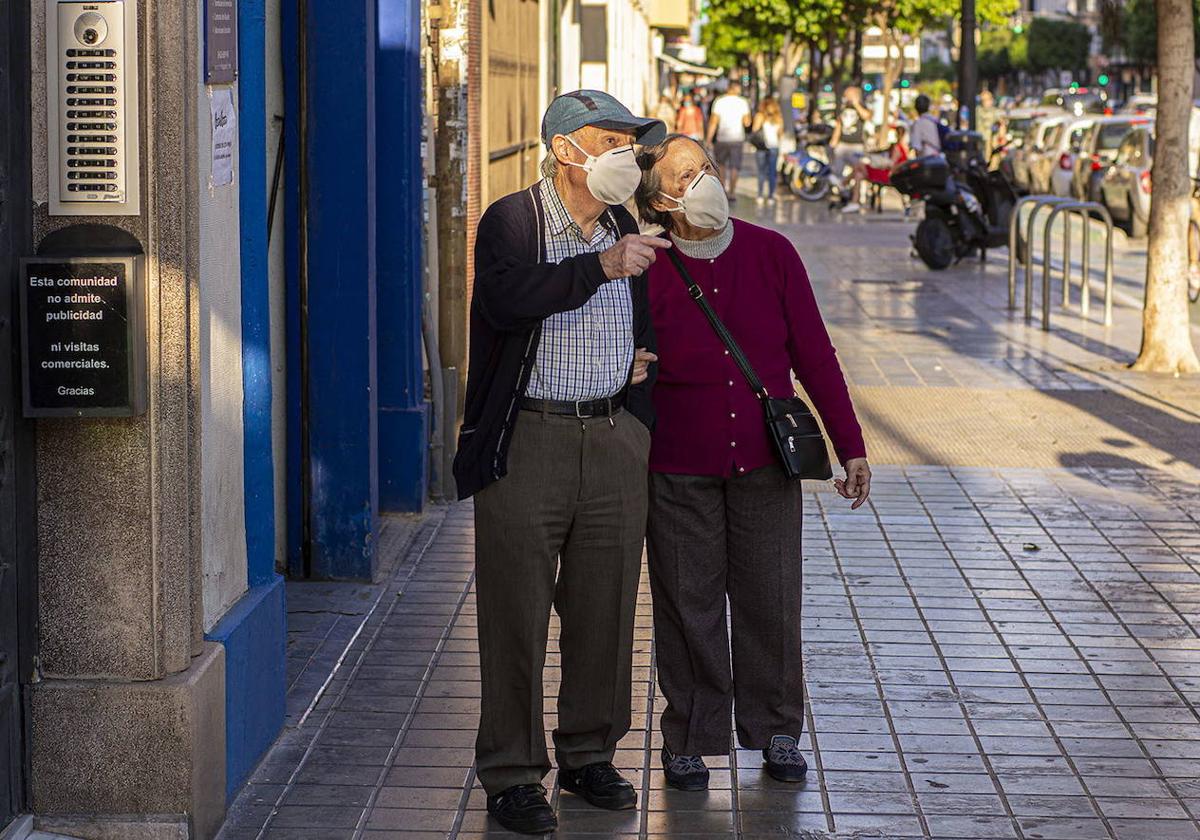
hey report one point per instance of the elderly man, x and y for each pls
(554, 448)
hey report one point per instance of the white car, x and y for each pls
(1040, 156)
(1070, 139)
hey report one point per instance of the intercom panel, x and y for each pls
(93, 108)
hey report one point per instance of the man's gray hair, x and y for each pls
(549, 165)
(651, 184)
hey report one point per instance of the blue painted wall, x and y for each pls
(340, 392)
(403, 412)
(254, 631)
(256, 301)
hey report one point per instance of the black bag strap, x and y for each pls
(697, 294)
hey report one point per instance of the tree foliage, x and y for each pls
(736, 31)
(1134, 29)
(1057, 45)
(996, 53)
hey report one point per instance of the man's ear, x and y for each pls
(561, 147)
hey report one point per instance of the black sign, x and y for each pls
(84, 336)
(220, 41)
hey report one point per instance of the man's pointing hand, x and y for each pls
(632, 255)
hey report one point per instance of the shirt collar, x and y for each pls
(558, 218)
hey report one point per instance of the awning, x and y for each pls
(681, 66)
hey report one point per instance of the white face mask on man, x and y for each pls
(704, 203)
(611, 177)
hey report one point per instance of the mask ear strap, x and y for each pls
(677, 201)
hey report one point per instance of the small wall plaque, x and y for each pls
(220, 42)
(83, 328)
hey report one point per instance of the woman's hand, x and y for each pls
(857, 484)
(641, 365)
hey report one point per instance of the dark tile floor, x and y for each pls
(1003, 643)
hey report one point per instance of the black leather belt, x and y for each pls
(583, 409)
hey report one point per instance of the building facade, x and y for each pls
(269, 400)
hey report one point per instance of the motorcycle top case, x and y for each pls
(921, 175)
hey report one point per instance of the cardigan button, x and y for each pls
(733, 443)
(726, 352)
(733, 415)
(741, 469)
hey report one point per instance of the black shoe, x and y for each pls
(684, 772)
(601, 785)
(524, 809)
(784, 761)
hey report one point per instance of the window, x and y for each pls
(1111, 135)
(593, 34)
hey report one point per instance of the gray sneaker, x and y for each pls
(784, 761)
(684, 772)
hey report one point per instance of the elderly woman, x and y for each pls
(724, 520)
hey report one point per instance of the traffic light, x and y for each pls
(868, 87)
(905, 83)
(1103, 79)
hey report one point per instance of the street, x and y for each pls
(1002, 643)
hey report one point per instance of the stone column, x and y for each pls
(129, 719)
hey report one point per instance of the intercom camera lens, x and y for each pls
(90, 36)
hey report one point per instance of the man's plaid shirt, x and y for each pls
(584, 354)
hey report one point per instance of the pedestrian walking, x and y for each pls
(554, 449)
(926, 130)
(724, 521)
(765, 133)
(853, 130)
(665, 112)
(690, 120)
(727, 124)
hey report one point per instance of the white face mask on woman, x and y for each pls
(703, 203)
(611, 177)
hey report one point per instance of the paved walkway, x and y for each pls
(1002, 644)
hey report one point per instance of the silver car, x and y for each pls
(1125, 187)
(1070, 142)
(1098, 151)
(1042, 156)
(1031, 146)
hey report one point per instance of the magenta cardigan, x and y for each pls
(709, 421)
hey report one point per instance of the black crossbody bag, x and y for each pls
(792, 428)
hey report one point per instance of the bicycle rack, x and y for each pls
(1059, 205)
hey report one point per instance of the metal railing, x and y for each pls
(1058, 205)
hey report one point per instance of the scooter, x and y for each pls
(807, 171)
(967, 205)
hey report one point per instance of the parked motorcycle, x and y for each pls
(967, 205)
(807, 171)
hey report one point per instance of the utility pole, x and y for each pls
(967, 68)
(449, 21)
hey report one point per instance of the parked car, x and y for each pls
(1140, 104)
(1076, 101)
(1125, 187)
(1040, 158)
(1097, 152)
(1016, 126)
(1070, 141)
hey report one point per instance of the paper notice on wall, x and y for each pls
(224, 129)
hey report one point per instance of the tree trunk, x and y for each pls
(893, 69)
(1166, 342)
(856, 70)
(815, 60)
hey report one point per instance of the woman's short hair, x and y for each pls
(651, 184)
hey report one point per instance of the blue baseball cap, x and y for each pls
(572, 111)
